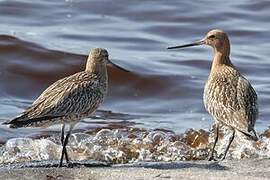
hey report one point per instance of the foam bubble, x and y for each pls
(134, 145)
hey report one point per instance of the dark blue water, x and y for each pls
(42, 41)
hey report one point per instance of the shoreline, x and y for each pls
(227, 169)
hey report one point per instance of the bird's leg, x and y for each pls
(63, 147)
(215, 143)
(230, 142)
(64, 143)
(62, 134)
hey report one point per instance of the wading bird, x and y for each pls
(70, 99)
(228, 96)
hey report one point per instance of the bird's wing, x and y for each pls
(62, 98)
(247, 99)
(233, 102)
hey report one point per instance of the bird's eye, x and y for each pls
(212, 37)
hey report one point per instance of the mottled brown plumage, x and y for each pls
(230, 99)
(70, 99)
(228, 96)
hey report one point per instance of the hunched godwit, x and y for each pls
(70, 99)
(228, 96)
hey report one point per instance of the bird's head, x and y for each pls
(99, 57)
(215, 38)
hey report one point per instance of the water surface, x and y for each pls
(42, 41)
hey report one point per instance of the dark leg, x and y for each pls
(215, 143)
(64, 143)
(230, 142)
(63, 134)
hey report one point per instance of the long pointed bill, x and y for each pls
(118, 67)
(197, 43)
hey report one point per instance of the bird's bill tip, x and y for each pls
(197, 43)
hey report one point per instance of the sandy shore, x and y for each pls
(244, 169)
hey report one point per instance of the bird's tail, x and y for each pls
(15, 123)
(24, 121)
(252, 135)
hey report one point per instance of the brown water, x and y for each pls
(42, 41)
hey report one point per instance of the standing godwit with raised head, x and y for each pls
(228, 96)
(70, 99)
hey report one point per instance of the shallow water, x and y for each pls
(129, 145)
(42, 41)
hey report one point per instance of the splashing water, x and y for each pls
(132, 145)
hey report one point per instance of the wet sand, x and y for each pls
(240, 169)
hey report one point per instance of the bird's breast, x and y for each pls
(221, 90)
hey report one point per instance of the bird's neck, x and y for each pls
(99, 69)
(221, 58)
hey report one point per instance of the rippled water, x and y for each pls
(42, 41)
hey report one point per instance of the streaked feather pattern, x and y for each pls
(230, 99)
(71, 98)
